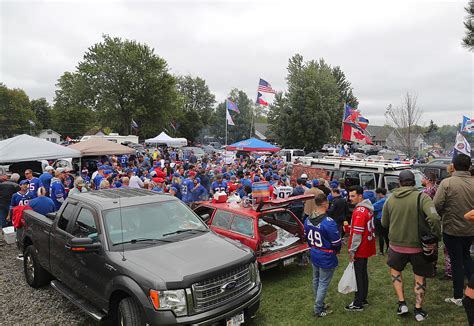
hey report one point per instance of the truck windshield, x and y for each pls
(159, 221)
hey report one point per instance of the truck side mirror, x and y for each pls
(83, 245)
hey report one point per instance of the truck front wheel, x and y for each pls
(35, 275)
(130, 313)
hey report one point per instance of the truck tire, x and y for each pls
(129, 313)
(35, 275)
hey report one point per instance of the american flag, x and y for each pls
(265, 87)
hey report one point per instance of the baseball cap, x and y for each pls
(22, 182)
(176, 174)
(152, 173)
(158, 180)
(198, 180)
(108, 172)
(256, 179)
(406, 176)
(304, 176)
(49, 168)
(315, 182)
(334, 184)
(192, 173)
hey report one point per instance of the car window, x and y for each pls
(367, 180)
(205, 213)
(353, 178)
(222, 219)
(85, 225)
(66, 216)
(337, 174)
(284, 217)
(391, 183)
(243, 225)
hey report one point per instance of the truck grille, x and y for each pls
(212, 292)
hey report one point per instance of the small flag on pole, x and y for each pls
(260, 100)
(228, 118)
(467, 125)
(231, 106)
(133, 124)
(265, 87)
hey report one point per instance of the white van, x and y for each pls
(291, 155)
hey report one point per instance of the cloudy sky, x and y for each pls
(386, 48)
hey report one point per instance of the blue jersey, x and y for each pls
(324, 240)
(45, 179)
(219, 186)
(19, 199)
(123, 160)
(42, 205)
(57, 193)
(200, 193)
(186, 194)
(34, 185)
(245, 182)
(178, 188)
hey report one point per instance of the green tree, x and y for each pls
(242, 120)
(310, 113)
(72, 114)
(197, 97)
(42, 111)
(15, 112)
(122, 80)
(468, 40)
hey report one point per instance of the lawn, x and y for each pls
(287, 298)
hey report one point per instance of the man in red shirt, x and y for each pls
(361, 245)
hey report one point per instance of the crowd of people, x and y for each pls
(338, 215)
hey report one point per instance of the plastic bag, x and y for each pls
(348, 282)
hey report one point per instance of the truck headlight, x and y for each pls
(254, 273)
(174, 300)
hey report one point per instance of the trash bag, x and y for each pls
(348, 282)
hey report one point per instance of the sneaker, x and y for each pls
(402, 308)
(420, 314)
(324, 313)
(457, 302)
(380, 254)
(365, 303)
(351, 307)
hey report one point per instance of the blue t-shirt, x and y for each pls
(45, 179)
(19, 199)
(57, 193)
(200, 193)
(219, 186)
(97, 180)
(34, 185)
(324, 240)
(186, 187)
(378, 206)
(42, 205)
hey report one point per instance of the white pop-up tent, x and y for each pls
(24, 148)
(164, 139)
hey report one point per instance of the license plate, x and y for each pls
(235, 320)
(288, 261)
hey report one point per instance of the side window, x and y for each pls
(367, 180)
(353, 178)
(66, 216)
(205, 213)
(243, 225)
(222, 219)
(337, 174)
(85, 225)
(391, 183)
(284, 217)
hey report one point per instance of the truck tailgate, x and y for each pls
(281, 255)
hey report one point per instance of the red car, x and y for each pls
(271, 230)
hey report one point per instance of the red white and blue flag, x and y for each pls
(260, 100)
(230, 105)
(467, 125)
(349, 133)
(354, 118)
(265, 87)
(461, 145)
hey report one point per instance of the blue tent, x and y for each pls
(252, 145)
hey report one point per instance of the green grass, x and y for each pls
(287, 298)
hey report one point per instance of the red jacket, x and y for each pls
(17, 216)
(363, 224)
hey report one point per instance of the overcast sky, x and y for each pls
(386, 48)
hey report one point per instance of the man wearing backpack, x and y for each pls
(401, 215)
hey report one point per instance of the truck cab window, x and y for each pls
(85, 225)
(243, 225)
(66, 216)
(222, 219)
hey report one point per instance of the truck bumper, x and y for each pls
(248, 304)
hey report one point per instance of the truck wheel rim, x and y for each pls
(30, 268)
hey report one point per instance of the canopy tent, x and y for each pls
(24, 148)
(100, 146)
(252, 145)
(164, 139)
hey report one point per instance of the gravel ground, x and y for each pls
(22, 305)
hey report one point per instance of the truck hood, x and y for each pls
(180, 264)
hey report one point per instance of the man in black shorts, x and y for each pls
(400, 216)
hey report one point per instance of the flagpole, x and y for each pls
(251, 120)
(342, 122)
(225, 148)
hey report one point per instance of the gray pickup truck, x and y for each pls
(135, 257)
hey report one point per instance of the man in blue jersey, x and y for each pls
(218, 185)
(34, 183)
(46, 177)
(186, 188)
(325, 242)
(124, 161)
(99, 177)
(22, 197)
(57, 192)
(42, 204)
(199, 192)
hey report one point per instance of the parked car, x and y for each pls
(140, 258)
(271, 230)
(439, 169)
